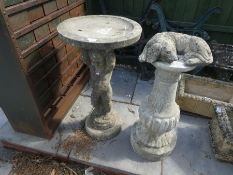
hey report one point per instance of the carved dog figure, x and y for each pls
(171, 46)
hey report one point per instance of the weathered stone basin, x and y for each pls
(100, 31)
(199, 94)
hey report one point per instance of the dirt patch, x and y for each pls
(81, 143)
(31, 164)
(28, 164)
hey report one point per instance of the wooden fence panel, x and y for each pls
(220, 26)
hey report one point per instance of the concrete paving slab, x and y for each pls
(40, 145)
(8, 135)
(73, 120)
(143, 89)
(117, 154)
(87, 89)
(3, 118)
(193, 154)
(123, 85)
(6, 154)
(5, 168)
(114, 155)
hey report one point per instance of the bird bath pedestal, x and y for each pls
(99, 35)
(154, 135)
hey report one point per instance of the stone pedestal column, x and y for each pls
(98, 36)
(103, 122)
(154, 135)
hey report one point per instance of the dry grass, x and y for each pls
(28, 164)
(81, 143)
(31, 164)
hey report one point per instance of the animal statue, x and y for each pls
(171, 46)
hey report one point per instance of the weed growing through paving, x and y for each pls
(81, 143)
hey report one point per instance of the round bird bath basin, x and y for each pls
(99, 35)
(100, 31)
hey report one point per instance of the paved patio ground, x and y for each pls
(192, 155)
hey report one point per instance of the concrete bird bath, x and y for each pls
(99, 35)
(154, 135)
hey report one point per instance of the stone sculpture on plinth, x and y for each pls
(154, 135)
(102, 118)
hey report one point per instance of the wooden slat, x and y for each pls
(201, 8)
(170, 8)
(209, 27)
(23, 6)
(90, 7)
(230, 40)
(128, 6)
(38, 44)
(75, 74)
(113, 7)
(39, 63)
(65, 89)
(46, 19)
(213, 3)
(229, 19)
(179, 9)
(68, 100)
(138, 8)
(82, 71)
(145, 5)
(227, 7)
(120, 8)
(221, 37)
(190, 12)
(54, 67)
(195, 15)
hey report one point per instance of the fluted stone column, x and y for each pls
(154, 135)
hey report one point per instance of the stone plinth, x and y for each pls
(154, 135)
(99, 36)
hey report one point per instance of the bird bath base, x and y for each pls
(150, 152)
(107, 127)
